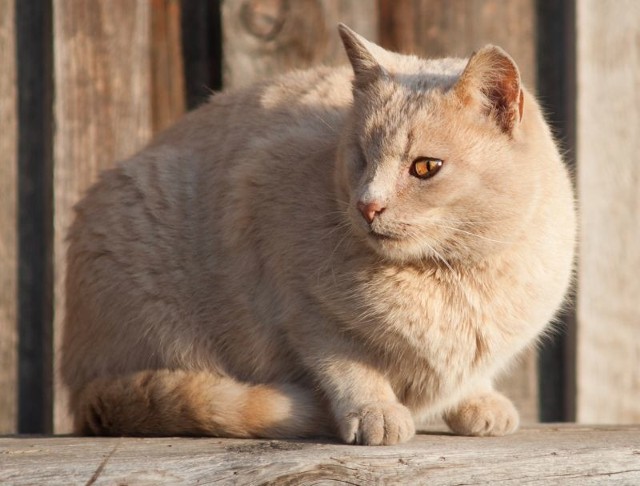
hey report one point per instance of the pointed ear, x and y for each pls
(493, 77)
(362, 56)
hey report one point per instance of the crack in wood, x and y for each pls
(101, 466)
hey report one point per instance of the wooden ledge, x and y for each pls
(544, 454)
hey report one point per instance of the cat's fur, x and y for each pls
(224, 282)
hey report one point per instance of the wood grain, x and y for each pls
(549, 455)
(440, 28)
(608, 149)
(118, 79)
(8, 220)
(262, 38)
(168, 84)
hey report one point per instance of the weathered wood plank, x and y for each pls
(168, 86)
(440, 28)
(263, 38)
(119, 78)
(563, 455)
(608, 148)
(102, 110)
(8, 220)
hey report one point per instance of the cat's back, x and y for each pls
(186, 172)
(162, 227)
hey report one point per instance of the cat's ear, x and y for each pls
(492, 78)
(363, 55)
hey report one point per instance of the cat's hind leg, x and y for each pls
(175, 402)
(485, 413)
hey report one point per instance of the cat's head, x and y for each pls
(433, 163)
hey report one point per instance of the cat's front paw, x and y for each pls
(377, 423)
(487, 414)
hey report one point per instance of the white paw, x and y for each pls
(487, 414)
(377, 423)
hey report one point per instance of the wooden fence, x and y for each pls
(84, 83)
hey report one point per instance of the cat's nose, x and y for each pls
(370, 210)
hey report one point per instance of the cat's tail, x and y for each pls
(169, 403)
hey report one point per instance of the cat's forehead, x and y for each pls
(413, 92)
(410, 85)
(421, 75)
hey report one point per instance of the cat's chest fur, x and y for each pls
(429, 330)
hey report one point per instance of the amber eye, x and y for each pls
(425, 167)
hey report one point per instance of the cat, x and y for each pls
(334, 252)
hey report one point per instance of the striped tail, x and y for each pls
(175, 403)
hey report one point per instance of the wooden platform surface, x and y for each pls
(545, 454)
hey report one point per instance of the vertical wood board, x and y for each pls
(8, 220)
(168, 84)
(441, 28)
(608, 150)
(102, 111)
(119, 78)
(263, 38)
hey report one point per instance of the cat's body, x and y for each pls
(233, 256)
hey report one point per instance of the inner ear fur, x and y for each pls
(492, 76)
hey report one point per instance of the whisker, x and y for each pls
(438, 225)
(333, 129)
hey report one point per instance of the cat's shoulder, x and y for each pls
(314, 86)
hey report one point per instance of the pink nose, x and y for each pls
(370, 210)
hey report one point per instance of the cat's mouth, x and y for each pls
(382, 236)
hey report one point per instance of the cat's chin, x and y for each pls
(393, 248)
(382, 236)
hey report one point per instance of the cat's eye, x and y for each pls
(425, 167)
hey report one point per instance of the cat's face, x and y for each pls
(430, 171)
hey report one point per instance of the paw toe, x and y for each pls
(484, 415)
(379, 423)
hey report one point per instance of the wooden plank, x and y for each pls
(562, 455)
(103, 110)
(441, 28)
(8, 220)
(168, 87)
(608, 148)
(119, 78)
(267, 37)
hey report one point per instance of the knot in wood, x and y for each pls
(264, 18)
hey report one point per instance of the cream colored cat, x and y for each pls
(323, 253)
